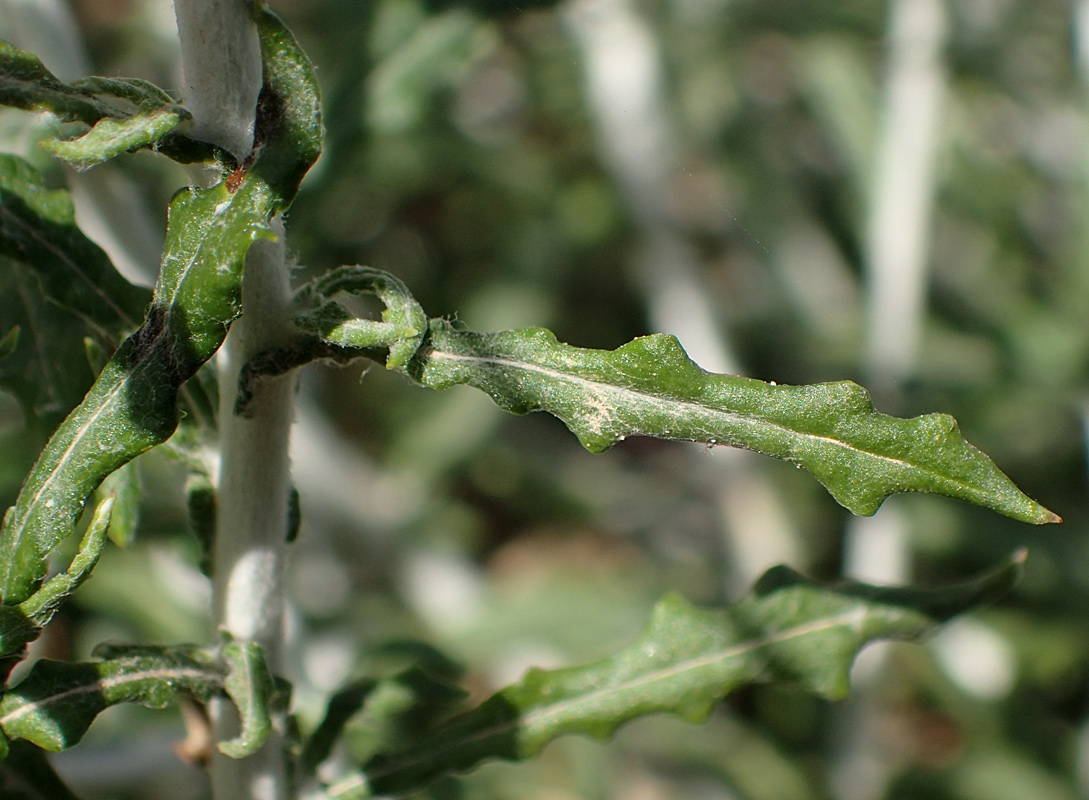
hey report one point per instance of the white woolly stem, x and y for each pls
(251, 528)
(222, 66)
(221, 62)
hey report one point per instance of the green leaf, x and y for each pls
(22, 624)
(44, 602)
(8, 342)
(28, 775)
(110, 137)
(787, 630)
(649, 387)
(46, 370)
(132, 113)
(250, 686)
(55, 285)
(403, 324)
(38, 229)
(123, 486)
(133, 405)
(56, 704)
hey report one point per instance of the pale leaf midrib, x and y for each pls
(590, 386)
(105, 684)
(76, 441)
(852, 617)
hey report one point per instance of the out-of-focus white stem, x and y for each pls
(898, 230)
(898, 243)
(624, 90)
(222, 66)
(897, 246)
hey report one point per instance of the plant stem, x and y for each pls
(221, 61)
(251, 528)
(222, 64)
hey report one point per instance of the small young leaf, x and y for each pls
(649, 387)
(787, 630)
(403, 324)
(124, 487)
(56, 704)
(44, 602)
(250, 686)
(22, 624)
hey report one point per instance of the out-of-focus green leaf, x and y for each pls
(27, 775)
(1004, 773)
(54, 285)
(401, 85)
(398, 707)
(38, 229)
(649, 387)
(787, 630)
(124, 487)
(9, 342)
(47, 370)
(125, 114)
(133, 405)
(56, 704)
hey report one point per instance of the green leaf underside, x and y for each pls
(56, 704)
(787, 630)
(133, 404)
(110, 137)
(125, 113)
(649, 387)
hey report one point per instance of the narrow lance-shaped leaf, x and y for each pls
(649, 387)
(125, 113)
(56, 704)
(787, 630)
(133, 404)
(21, 624)
(110, 138)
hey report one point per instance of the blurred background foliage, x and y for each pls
(609, 168)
